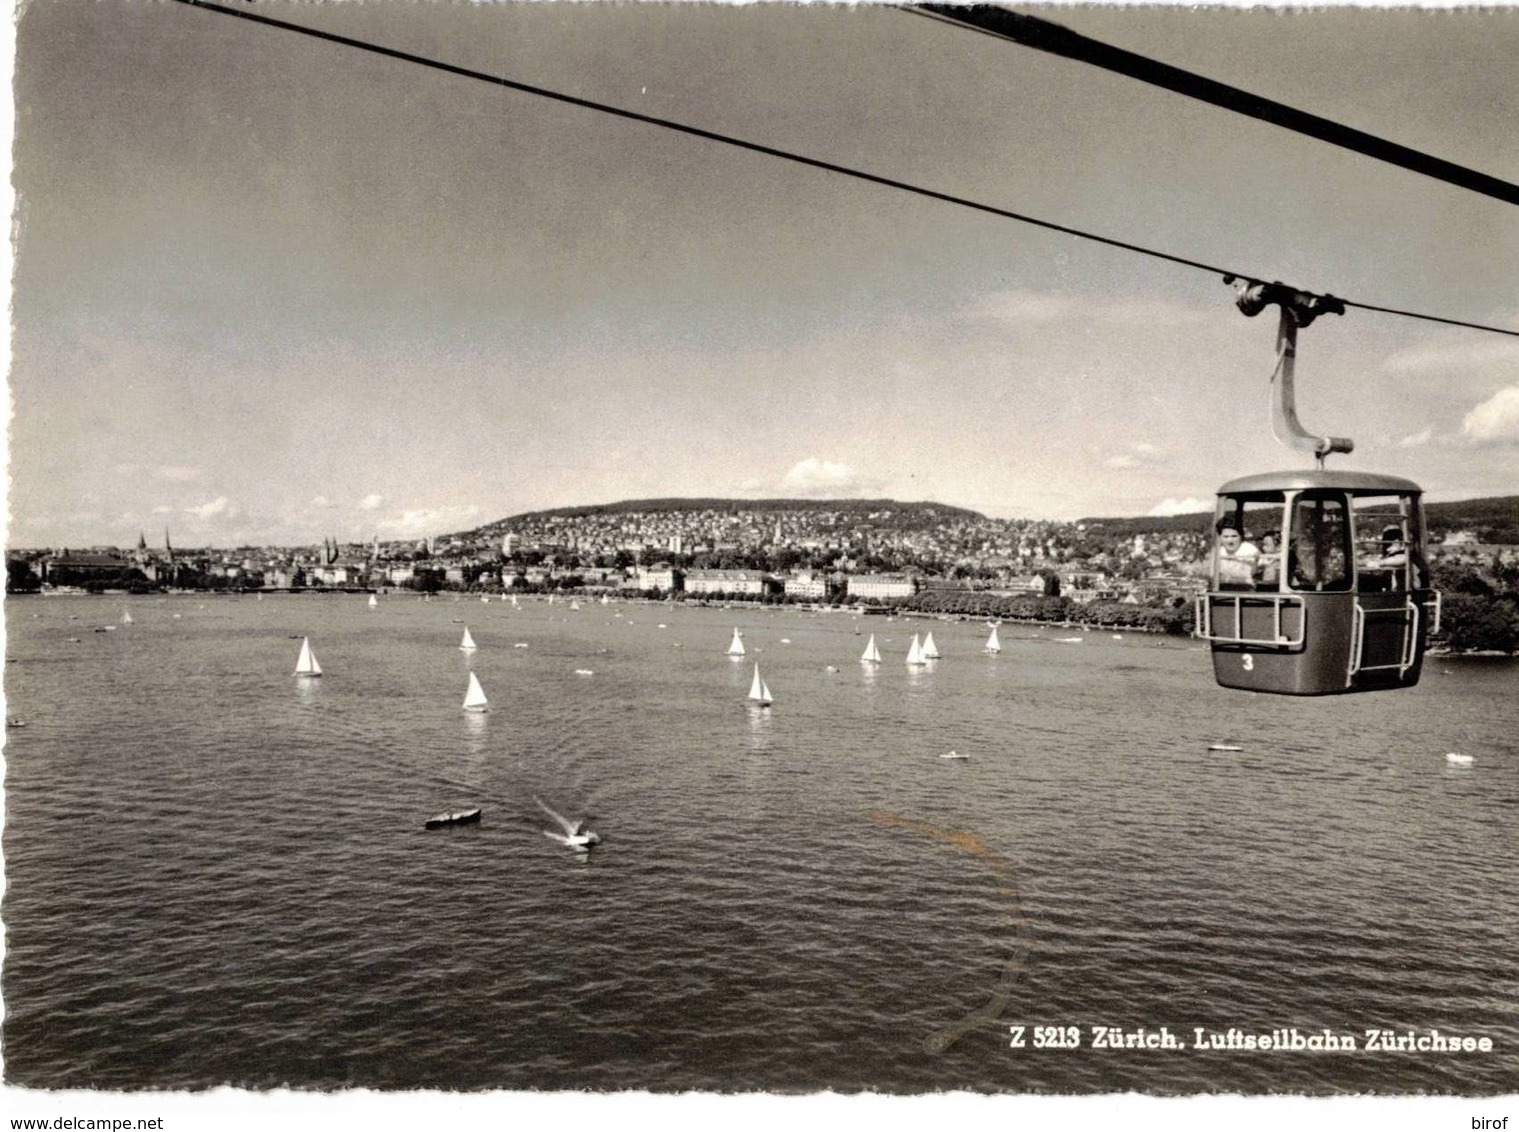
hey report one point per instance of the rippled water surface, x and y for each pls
(218, 873)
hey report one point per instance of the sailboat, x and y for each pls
(871, 655)
(992, 643)
(474, 699)
(574, 605)
(126, 616)
(307, 665)
(930, 650)
(737, 647)
(759, 691)
(514, 602)
(915, 653)
(374, 602)
(468, 643)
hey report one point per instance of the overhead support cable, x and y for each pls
(771, 151)
(1042, 35)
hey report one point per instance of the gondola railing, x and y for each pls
(1207, 630)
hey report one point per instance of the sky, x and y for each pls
(269, 289)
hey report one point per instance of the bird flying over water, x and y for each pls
(571, 837)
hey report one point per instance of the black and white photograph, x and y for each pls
(761, 563)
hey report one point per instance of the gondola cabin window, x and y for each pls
(1386, 547)
(1246, 545)
(1318, 544)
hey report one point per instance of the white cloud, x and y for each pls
(1417, 439)
(176, 473)
(430, 521)
(162, 509)
(822, 477)
(371, 502)
(218, 506)
(1186, 506)
(1496, 420)
(323, 502)
(1138, 455)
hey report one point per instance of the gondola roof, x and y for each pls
(1308, 479)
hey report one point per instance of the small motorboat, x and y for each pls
(1224, 747)
(953, 755)
(571, 838)
(453, 817)
(1456, 759)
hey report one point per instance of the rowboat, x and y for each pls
(453, 817)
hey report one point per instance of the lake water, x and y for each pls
(218, 873)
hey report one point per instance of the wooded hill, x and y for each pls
(891, 513)
(1494, 519)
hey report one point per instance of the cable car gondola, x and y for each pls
(1336, 596)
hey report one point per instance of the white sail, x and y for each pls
(574, 605)
(468, 643)
(486, 598)
(930, 650)
(474, 699)
(605, 600)
(374, 602)
(871, 655)
(307, 665)
(126, 617)
(514, 601)
(992, 643)
(915, 652)
(737, 647)
(759, 691)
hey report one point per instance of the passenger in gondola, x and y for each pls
(1394, 549)
(1268, 568)
(1382, 569)
(1236, 556)
(1321, 568)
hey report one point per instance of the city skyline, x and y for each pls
(270, 289)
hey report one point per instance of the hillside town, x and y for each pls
(881, 552)
(812, 555)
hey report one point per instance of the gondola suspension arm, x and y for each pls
(1298, 309)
